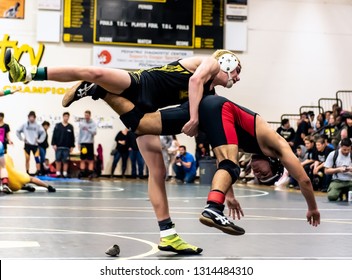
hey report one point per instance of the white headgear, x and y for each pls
(228, 62)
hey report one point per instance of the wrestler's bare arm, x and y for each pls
(206, 70)
(274, 145)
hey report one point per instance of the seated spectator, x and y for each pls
(320, 179)
(286, 179)
(346, 131)
(287, 132)
(308, 163)
(302, 130)
(331, 130)
(184, 166)
(320, 121)
(327, 117)
(311, 121)
(339, 165)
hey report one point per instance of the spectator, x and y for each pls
(287, 132)
(121, 151)
(32, 134)
(311, 117)
(331, 131)
(173, 152)
(63, 142)
(302, 130)
(87, 131)
(346, 131)
(4, 133)
(202, 147)
(339, 165)
(319, 121)
(327, 117)
(135, 156)
(320, 179)
(43, 146)
(166, 141)
(184, 166)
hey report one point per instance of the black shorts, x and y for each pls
(173, 119)
(160, 87)
(31, 148)
(87, 151)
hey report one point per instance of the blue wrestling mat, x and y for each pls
(71, 180)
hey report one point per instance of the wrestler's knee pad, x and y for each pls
(132, 118)
(232, 168)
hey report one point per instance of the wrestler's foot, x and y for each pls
(51, 189)
(113, 251)
(6, 189)
(78, 91)
(174, 243)
(213, 217)
(17, 72)
(28, 188)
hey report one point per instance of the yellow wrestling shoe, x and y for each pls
(17, 72)
(174, 243)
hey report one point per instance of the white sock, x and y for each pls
(58, 173)
(65, 173)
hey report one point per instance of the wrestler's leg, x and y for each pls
(113, 80)
(40, 183)
(222, 179)
(150, 149)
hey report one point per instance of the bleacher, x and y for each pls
(343, 98)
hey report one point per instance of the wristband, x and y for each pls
(7, 92)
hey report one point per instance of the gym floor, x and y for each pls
(82, 219)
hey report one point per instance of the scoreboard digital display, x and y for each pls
(150, 23)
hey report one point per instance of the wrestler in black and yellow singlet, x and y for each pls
(158, 87)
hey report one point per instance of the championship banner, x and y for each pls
(135, 58)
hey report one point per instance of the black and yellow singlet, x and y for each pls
(159, 87)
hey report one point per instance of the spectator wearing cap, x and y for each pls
(32, 134)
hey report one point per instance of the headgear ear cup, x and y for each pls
(228, 62)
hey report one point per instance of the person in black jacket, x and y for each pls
(122, 151)
(287, 132)
(63, 142)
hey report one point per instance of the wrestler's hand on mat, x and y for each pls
(313, 217)
(190, 128)
(234, 208)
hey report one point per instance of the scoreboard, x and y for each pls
(151, 23)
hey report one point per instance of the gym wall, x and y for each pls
(298, 51)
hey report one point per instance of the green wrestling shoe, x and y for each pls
(174, 243)
(17, 72)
